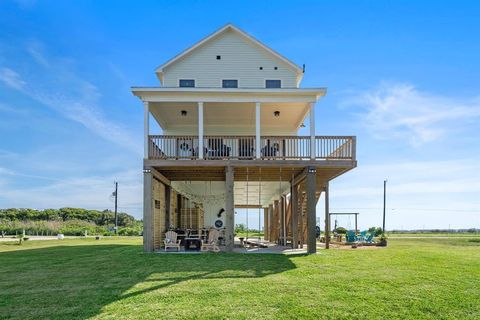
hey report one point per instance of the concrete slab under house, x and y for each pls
(230, 109)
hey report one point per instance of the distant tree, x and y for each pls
(340, 230)
(378, 231)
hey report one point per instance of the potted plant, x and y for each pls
(383, 240)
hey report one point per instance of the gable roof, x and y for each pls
(246, 36)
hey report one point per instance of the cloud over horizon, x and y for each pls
(400, 111)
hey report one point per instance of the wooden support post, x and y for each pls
(311, 210)
(270, 224)
(229, 209)
(147, 211)
(327, 218)
(281, 211)
(276, 221)
(265, 223)
(294, 206)
(168, 193)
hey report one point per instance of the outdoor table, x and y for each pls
(195, 241)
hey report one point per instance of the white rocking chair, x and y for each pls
(171, 240)
(212, 243)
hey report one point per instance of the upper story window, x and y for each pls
(186, 83)
(273, 84)
(229, 83)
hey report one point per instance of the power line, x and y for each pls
(413, 209)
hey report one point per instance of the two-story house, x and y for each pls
(230, 109)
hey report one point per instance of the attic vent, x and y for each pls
(219, 57)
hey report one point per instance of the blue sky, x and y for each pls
(402, 76)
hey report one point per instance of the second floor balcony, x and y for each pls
(177, 147)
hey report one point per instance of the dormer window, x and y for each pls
(186, 83)
(230, 83)
(273, 84)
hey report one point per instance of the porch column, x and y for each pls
(327, 217)
(311, 210)
(257, 130)
(229, 209)
(147, 211)
(200, 130)
(294, 205)
(146, 127)
(281, 212)
(265, 223)
(270, 224)
(312, 130)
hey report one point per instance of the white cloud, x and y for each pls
(400, 111)
(36, 49)
(62, 90)
(11, 79)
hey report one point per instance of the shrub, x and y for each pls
(340, 230)
(129, 231)
(378, 231)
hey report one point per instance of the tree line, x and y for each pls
(69, 221)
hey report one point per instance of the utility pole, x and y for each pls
(384, 202)
(116, 202)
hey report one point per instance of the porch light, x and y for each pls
(183, 113)
(147, 170)
(276, 113)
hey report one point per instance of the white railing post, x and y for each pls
(146, 127)
(200, 130)
(257, 130)
(312, 130)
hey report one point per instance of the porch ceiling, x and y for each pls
(272, 174)
(251, 193)
(229, 117)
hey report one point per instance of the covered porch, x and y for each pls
(284, 197)
(201, 123)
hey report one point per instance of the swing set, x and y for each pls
(258, 243)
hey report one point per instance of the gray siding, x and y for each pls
(240, 60)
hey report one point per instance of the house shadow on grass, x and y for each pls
(77, 282)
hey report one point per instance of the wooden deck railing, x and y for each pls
(243, 147)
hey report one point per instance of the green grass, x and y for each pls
(113, 279)
(250, 234)
(434, 234)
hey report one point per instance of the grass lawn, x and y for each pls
(113, 279)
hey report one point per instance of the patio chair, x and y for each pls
(351, 237)
(362, 236)
(212, 242)
(171, 240)
(370, 237)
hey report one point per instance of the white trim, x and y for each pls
(200, 130)
(146, 127)
(319, 91)
(257, 130)
(312, 131)
(296, 68)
